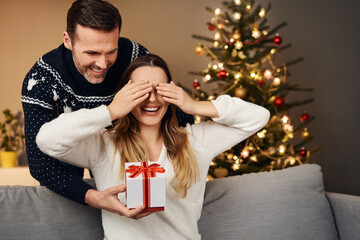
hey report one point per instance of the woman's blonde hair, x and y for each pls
(131, 145)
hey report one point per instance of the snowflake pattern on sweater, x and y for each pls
(53, 86)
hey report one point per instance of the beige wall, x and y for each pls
(324, 32)
(31, 28)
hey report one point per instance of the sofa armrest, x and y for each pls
(346, 210)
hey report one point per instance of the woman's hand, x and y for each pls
(128, 97)
(176, 95)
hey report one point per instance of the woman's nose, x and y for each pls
(152, 96)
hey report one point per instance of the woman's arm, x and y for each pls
(75, 137)
(234, 119)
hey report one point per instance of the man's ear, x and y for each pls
(67, 40)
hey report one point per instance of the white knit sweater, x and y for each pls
(79, 139)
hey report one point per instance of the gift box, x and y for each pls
(145, 185)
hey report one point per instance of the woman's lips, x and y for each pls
(150, 111)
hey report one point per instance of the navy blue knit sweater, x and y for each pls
(54, 86)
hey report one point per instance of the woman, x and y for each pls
(147, 130)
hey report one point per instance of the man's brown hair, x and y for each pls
(95, 14)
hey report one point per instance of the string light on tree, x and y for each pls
(267, 74)
(276, 81)
(262, 13)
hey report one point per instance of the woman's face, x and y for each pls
(151, 111)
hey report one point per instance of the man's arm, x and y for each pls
(39, 108)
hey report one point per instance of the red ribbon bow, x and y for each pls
(144, 168)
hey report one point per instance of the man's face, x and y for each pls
(93, 51)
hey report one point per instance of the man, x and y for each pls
(83, 72)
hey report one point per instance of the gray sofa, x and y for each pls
(284, 204)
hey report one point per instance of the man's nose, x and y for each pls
(102, 62)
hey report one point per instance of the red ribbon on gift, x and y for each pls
(147, 171)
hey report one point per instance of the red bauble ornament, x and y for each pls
(279, 101)
(211, 27)
(229, 43)
(277, 40)
(303, 152)
(261, 83)
(304, 117)
(222, 74)
(196, 84)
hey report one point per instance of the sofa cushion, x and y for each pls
(283, 204)
(37, 213)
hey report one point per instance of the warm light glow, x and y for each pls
(238, 45)
(267, 74)
(211, 97)
(285, 119)
(276, 81)
(237, 2)
(241, 55)
(207, 77)
(197, 119)
(221, 65)
(288, 127)
(256, 33)
(282, 149)
(217, 11)
(216, 44)
(238, 75)
(262, 133)
(237, 15)
(245, 153)
(235, 166)
(291, 160)
(248, 6)
(262, 13)
(253, 74)
(273, 51)
(220, 26)
(253, 158)
(217, 36)
(215, 67)
(231, 40)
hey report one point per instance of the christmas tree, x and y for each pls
(241, 51)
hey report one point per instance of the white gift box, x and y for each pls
(145, 185)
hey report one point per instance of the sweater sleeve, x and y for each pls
(76, 137)
(39, 107)
(237, 120)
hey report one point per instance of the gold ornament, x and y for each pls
(236, 36)
(305, 134)
(221, 172)
(199, 50)
(240, 92)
